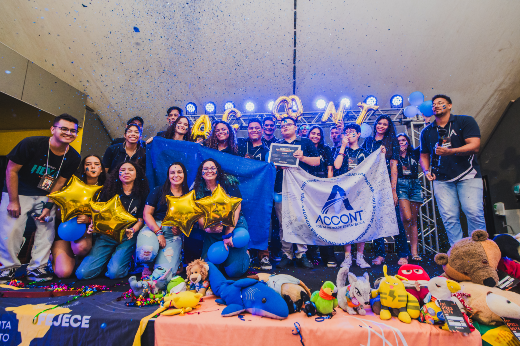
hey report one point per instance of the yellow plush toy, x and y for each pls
(393, 295)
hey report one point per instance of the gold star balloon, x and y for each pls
(182, 212)
(111, 218)
(219, 208)
(74, 198)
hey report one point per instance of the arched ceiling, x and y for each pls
(140, 57)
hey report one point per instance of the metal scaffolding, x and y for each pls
(427, 225)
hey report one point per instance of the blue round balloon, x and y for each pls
(426, 108)
(240, 237)
(71, 230)
(217, 253)
(411, 111)
(416, 98)
(278, 197)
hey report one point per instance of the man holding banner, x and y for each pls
(307, 156)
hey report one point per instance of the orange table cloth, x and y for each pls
(205, 326)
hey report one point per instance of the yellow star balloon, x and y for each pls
(219, 208)
(182, 212)
(111, 218)
(74, 198)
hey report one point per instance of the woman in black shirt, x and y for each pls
(209, 176)
(129, 182)
(91, 172)
(385, 136)
(324, 170)
(159, 246)
(129, 150)
(222, 138)
(409, 190)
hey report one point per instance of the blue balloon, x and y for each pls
(71, 230)
(411, 111)
(217, 253)
(240, 237)
(426, 108)
(277, 197)
(416, 98)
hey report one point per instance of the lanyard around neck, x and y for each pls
(63, 158)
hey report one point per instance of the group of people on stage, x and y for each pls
(38, 166)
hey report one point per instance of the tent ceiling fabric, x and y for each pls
(218, 51)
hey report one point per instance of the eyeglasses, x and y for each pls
(353, 132)
(67, 130)
(270, 125)
(286, 126)
(212, 169)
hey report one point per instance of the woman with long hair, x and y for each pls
(180, 130)
(324, 170)
(130, 150)
(161, 246)
(209, 176)
(385, 137)
(64, 253)
(129, 182)
(222, 138)
(409, 190)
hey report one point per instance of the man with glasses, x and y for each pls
(37, 166)
(269, 126)
(449, 148)
(308, 156)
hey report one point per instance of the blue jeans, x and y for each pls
(237, 262)
(148, 251)
(401, 242)
(107, 250)
(450, 196)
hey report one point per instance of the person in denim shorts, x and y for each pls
(409, 190)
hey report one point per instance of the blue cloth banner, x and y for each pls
(256, 179)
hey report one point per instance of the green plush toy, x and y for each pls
(324, 300)
(176, 285)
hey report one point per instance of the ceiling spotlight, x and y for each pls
(396, 101)
(270, 105)
(250, 106)
(210, 108)
(191, 108)
(346, 101)
(371, 100)
(229, 105)
(320, 104)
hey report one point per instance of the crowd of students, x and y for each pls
(40, 165)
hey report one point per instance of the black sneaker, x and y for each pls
(285, 262)
(7, 275)
(304, 262)
(39, 275)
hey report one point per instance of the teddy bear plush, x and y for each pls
(197, 277)
(472, 259)
(352, 298)
(154, 286)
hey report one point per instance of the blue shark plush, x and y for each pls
(246, 295)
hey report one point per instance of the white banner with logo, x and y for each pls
(351, 208)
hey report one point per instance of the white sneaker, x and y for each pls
(360, 261)
(265, 264)
(347, 262)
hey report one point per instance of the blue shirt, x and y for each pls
(454, 167)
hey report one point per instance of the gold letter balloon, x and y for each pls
(201, 128)
(74, 198)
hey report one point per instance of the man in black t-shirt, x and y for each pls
(37, 166)
(252, 146)
(269, 126)
(449, 147)
(308, 157)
